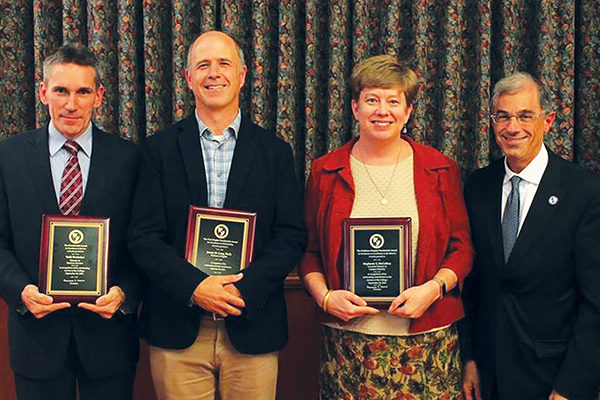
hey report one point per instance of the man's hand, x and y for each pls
(471, 381)
(346, 305)
(38, 303)
(556, 396)
(106, 306)
(217, 294)
(231, 288)
(414, 301)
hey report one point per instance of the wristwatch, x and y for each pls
(442, 284)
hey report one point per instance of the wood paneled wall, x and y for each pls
(7, 383)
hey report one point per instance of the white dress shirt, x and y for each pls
(530, 180)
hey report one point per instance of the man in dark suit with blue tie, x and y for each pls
(68, 167)
(532, 326)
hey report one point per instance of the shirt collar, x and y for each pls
(233, 128)
(56, 140)
(533, 172)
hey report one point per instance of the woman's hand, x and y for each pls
(471, 381)
(414, 301)
(346, 305)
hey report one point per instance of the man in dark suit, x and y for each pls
(220, 328)
(533, 299)
(55, 346)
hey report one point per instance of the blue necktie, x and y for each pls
(510, 220)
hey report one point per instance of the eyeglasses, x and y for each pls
(523, 117)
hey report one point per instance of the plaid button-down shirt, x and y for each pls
(217, 152)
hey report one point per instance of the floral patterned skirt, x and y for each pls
(366, 367)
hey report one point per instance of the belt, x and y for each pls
(217, 317)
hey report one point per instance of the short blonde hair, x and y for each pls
(384, 71)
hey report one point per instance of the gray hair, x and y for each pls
(517, 81)
(69, 54)
(238, 48)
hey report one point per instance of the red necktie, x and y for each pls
(71, 187)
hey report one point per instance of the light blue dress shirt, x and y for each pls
(60, 156)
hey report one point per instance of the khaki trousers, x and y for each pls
(195, 372)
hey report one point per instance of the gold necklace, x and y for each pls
(383, 200)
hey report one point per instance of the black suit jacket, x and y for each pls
(39, 346)
(533, 325)
(261, 180)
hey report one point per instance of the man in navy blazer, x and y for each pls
(215, 331)
(532, 302)
(55, 346)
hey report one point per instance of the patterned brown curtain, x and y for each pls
(300, 54)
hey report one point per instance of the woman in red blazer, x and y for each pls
(411, 347)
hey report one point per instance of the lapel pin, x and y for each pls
(552, 200)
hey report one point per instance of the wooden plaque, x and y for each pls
(219, 241)
(377, 258)
(74, 258)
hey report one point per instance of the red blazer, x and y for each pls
(444, 237)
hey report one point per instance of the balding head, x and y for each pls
(212, 34)
(216, 74)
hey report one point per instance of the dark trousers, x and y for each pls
(72, 377)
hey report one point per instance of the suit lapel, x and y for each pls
(241, 165)
(38, 161)
(191, 152)
(493, 203)
(100, 165)
(541, 211)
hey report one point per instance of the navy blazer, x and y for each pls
(38, 347)
(533, 324)
(261, 180)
